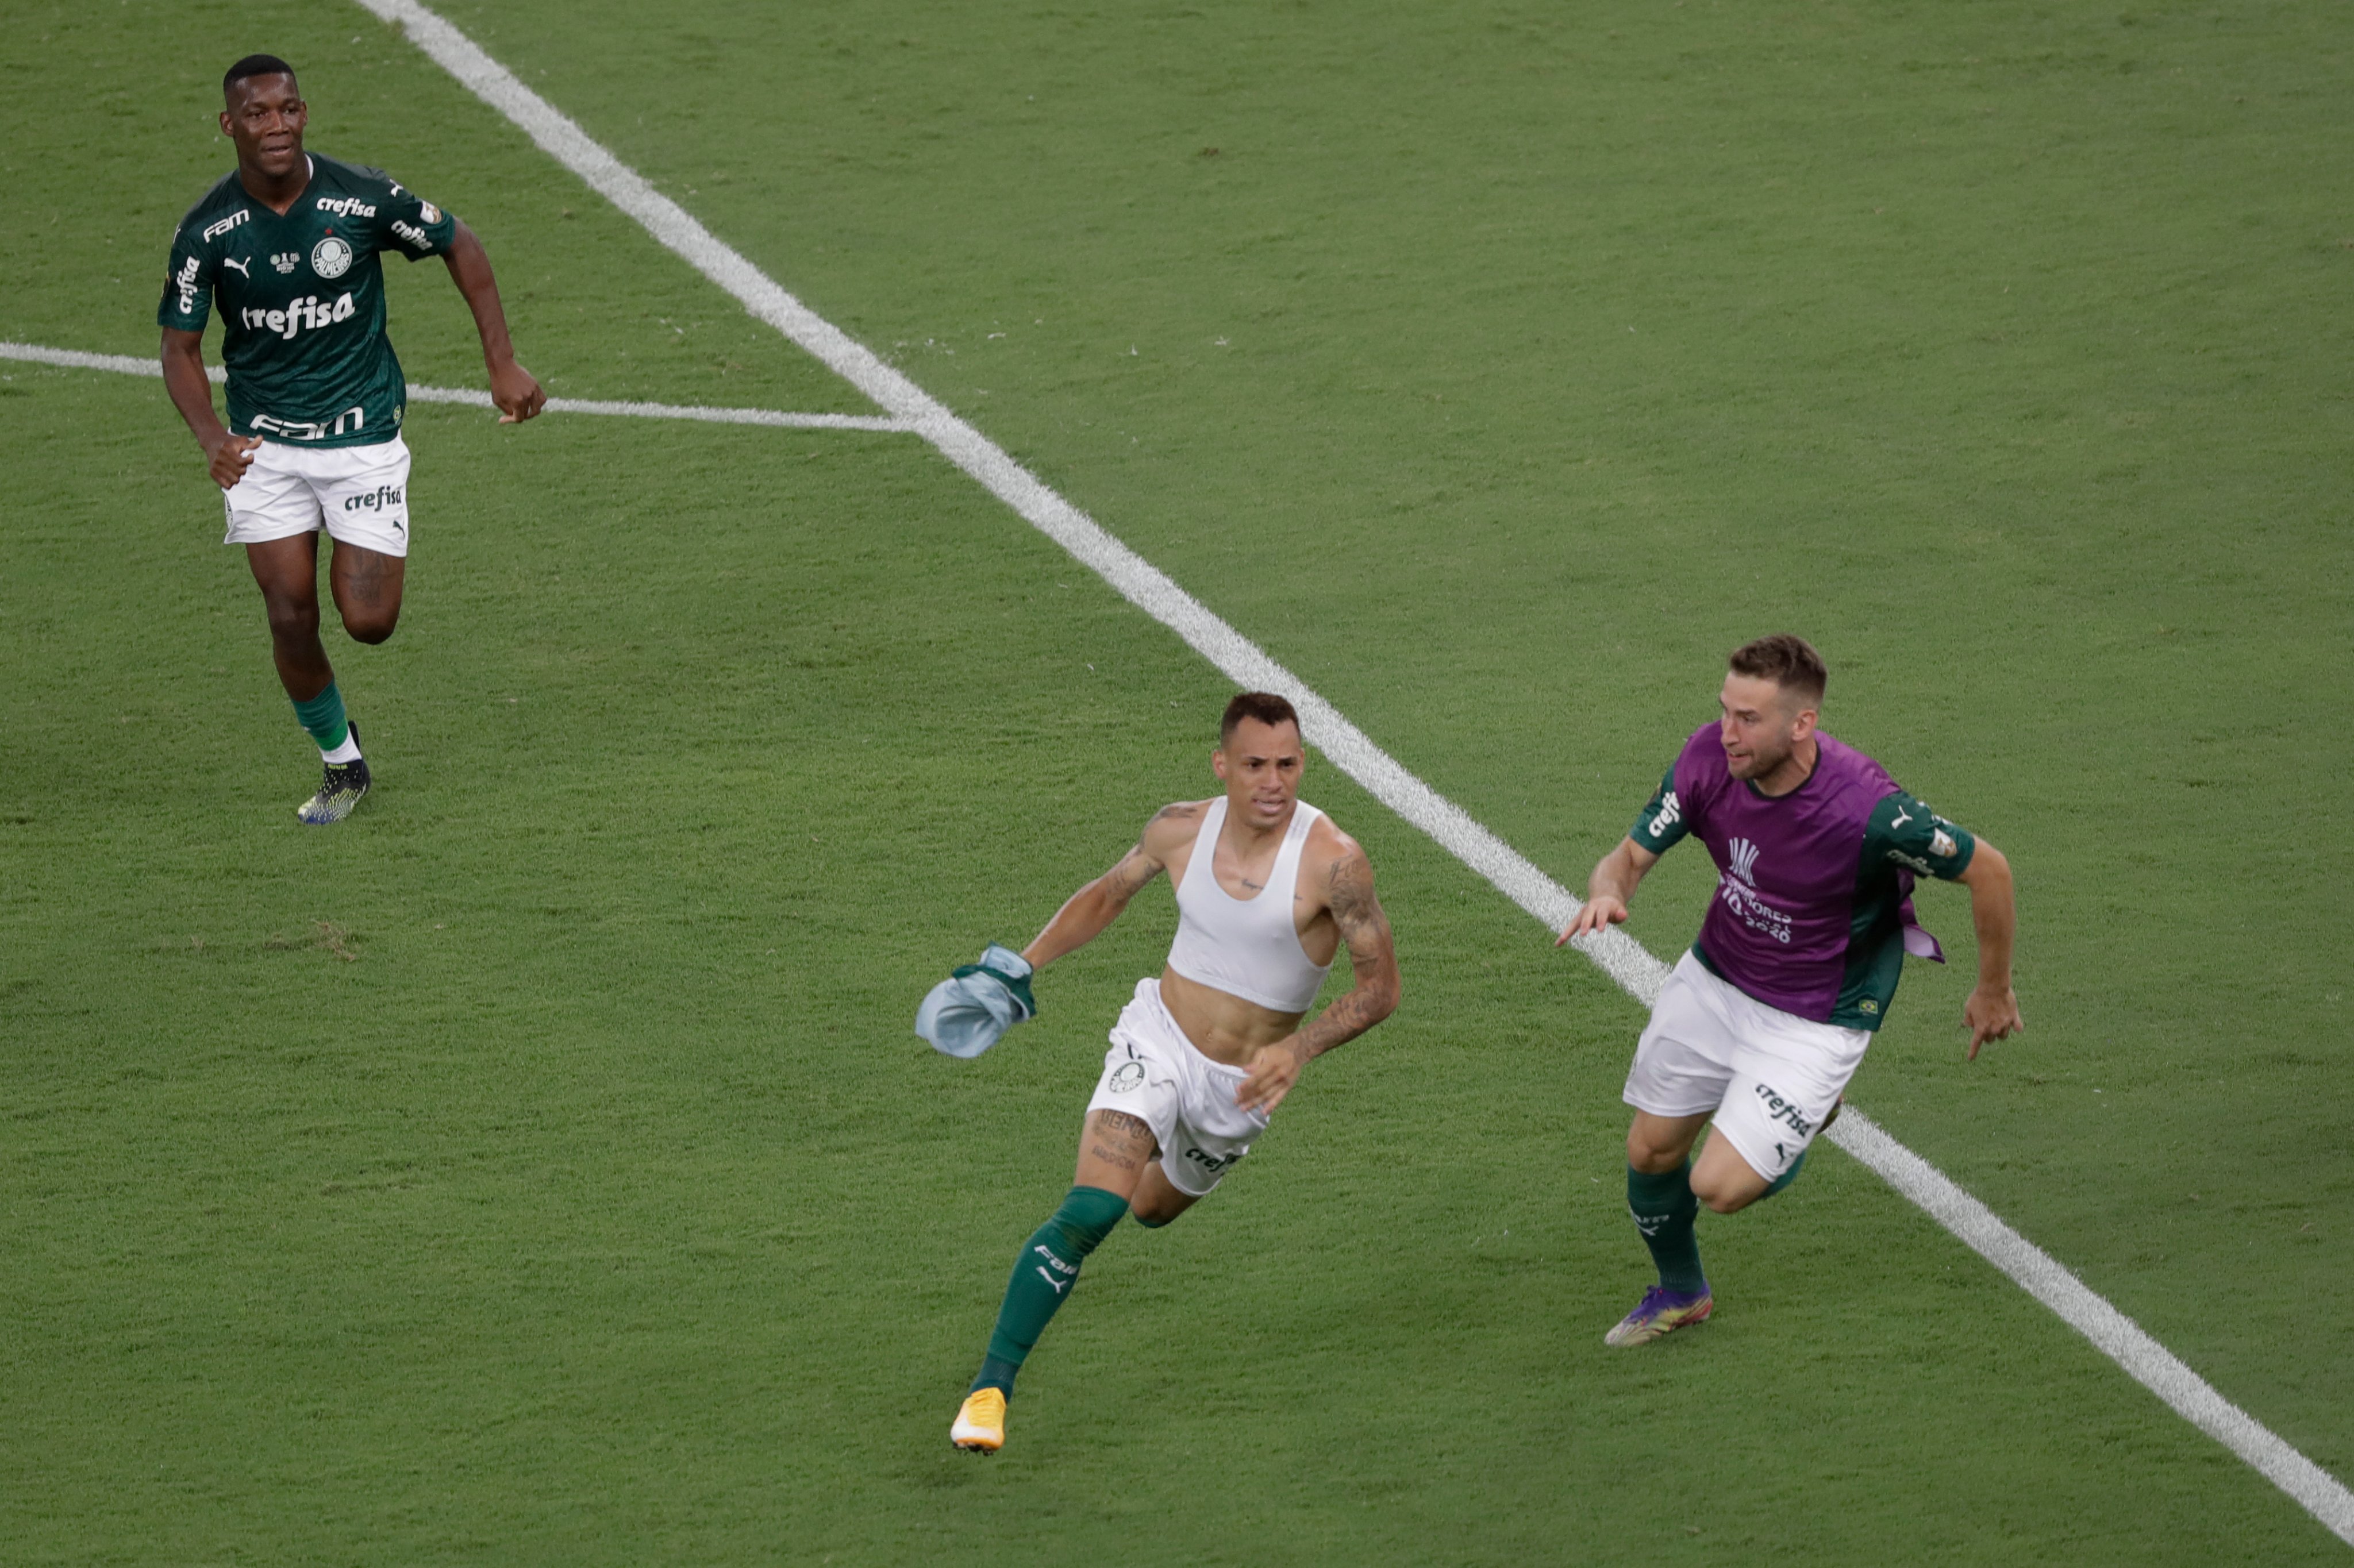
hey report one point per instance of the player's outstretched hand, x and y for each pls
(231, 459)
(516, 392)
(1273, 1070)
(970, 1011)
(1990, 1015)
(1596, 914)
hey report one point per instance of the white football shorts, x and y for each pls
(1768, 1077)
(1153, 1071)
(359, 495)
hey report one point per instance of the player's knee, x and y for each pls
(291, 620)
(1647, 1157)
(372, 629)
(1718, 1195)
(1154, 1216)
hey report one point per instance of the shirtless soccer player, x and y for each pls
(287, 245)
(1268, 891)
(1764, 1021)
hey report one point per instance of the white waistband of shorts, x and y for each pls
(1700, 974)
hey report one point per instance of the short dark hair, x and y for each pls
(254, 65)
(1264, 707)
(1787, 660)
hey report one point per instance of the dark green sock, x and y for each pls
(1043, 1275)
(1784, 1179)
(323, 715)
(1664, 1210)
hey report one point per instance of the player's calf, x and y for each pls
(1043, 1274)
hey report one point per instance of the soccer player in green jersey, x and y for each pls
(287, 246)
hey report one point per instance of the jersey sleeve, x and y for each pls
(187, 301)
(1903, 831)
(1662, 822)
(413, 226)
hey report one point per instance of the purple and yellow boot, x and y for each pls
(1661, 1311)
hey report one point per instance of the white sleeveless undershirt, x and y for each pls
(1247, 947)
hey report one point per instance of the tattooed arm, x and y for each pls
(1349, 895)
(1086, 914)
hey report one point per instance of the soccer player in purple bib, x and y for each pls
(1763, 1021)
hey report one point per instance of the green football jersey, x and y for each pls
(302, 300)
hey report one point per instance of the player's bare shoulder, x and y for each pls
(1172, 828)
(1335, 870)
(1162, 846)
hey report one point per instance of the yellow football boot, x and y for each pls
(980, 1426)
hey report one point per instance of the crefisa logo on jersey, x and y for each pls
(308, 313)
(330, 257)
(1670, 808)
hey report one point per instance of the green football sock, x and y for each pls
(1043, 1277)
(1664, 1210)
(1784, 1179)
(323, 715)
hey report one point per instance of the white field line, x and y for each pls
(1152, 591)
(129, 365)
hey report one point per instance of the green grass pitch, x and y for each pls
(539, 1168)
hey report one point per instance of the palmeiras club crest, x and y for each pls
(330, 257)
